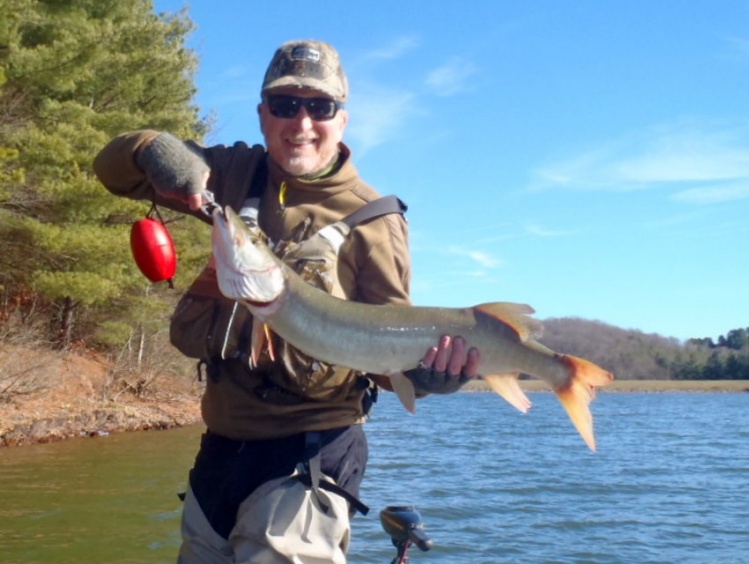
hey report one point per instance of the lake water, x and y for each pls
(669, 483)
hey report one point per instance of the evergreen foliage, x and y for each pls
(73, 74)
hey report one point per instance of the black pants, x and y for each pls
(227, 471)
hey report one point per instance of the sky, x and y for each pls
(590, 159)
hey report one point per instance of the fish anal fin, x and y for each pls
(507, 386)
(579, 391)
(404, 389)
(516, 316)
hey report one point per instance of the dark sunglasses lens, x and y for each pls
(320, 109)
(285, 107)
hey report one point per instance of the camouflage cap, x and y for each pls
(310, 64)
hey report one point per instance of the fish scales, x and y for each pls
(340, 332)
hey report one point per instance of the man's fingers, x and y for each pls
(429, 357)
(452, 358)
(471, 368)
(443, 354)
(457, 357)
(195, 201)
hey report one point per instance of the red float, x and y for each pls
(153, 250)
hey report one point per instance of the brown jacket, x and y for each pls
(374, 267)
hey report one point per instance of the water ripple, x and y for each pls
(495, 486)
(668, 484)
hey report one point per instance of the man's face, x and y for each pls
(301, 145)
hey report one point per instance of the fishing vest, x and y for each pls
(212, 328)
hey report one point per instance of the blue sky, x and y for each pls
(590, 159)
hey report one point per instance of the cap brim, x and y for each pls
(304, 82)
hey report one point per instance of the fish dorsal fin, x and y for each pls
(516, 316)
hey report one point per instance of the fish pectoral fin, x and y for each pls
(404, 389)
(269, 342)
(257, 341)
(579, 391)
(261, 338)
(507, 386)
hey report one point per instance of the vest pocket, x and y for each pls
(206, 325)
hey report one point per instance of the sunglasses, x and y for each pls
(287, 107)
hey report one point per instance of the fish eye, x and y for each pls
(256, 238)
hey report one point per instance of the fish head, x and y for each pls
(246, 269)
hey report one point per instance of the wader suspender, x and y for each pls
(311, 477)
(370, 210)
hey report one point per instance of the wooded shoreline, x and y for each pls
(33, 422)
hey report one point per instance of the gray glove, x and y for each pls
(431, 381)
(175, 169)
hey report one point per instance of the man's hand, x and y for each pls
(174, 169)
(445, 368)
(197, 201)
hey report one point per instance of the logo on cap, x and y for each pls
(305, 53)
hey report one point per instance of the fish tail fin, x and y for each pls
(579, 391)
(507, 386)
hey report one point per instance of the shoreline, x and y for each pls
(77, 396)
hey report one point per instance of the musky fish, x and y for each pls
(389, 340)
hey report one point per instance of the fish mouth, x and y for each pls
(255, 304)
(257, 287)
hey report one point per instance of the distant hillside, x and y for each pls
(633, 355)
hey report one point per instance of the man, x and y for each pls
(287, 413)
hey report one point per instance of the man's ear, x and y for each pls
(344, 118)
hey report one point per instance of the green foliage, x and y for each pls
(73, 74)
(90, 289)
(112, 333)
(11, 174)
(736, 339)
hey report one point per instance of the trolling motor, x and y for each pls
(405, 527)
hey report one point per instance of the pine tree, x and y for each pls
(74, 73)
